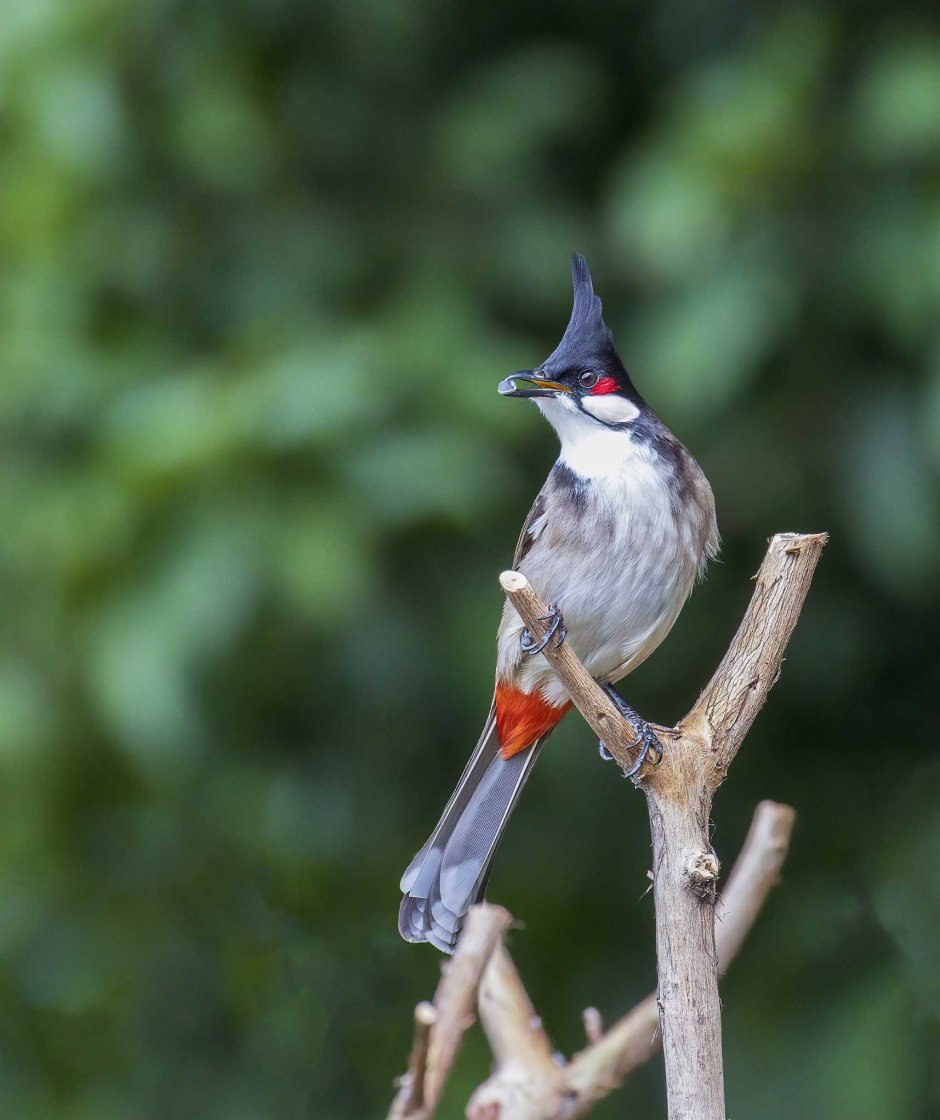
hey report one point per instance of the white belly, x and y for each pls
(619, 571)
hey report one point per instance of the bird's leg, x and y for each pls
(650, 747)
(556, 629)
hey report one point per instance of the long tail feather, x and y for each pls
(449, 874)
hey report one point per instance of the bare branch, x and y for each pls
(679, 797)
(413, 1081)
(593, 1024)
(684, 1015)
(597, 708)
(753, 877)
(507, 1016)
(750, 668)
(600, 1068)
(738, 689)
(570, 1092)
(453, 1006)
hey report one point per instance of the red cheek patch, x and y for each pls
(604, 386)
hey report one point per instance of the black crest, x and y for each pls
(587, 339)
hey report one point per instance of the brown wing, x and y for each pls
(526, 540)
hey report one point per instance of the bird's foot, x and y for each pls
(651, 749)
(556, 629)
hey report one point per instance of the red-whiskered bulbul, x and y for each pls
(616, 537)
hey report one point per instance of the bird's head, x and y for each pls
(584, 375)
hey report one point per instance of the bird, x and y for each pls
(615, 540)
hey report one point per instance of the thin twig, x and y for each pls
(507, 1016)
(753, 877)
(589, 698)
(729, 703)
(593, 1024)
(453, 1005)
(738, 689)
(425, 1018)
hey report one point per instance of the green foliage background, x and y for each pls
(262, 263)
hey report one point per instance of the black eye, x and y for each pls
(588, 379)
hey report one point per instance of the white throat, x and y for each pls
(588, 447)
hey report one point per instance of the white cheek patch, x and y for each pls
(610, 408)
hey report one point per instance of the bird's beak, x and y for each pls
(539, 386)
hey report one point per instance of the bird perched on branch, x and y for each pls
(616, 537)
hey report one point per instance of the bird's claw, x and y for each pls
(556, 629)
(651, 749)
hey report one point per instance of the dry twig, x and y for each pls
(432, 1057)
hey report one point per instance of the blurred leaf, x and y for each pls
(898, 539)
(323, 561)
(699, 348)
(896, 113)
(77, 117)
(407, 477)
(495, 133)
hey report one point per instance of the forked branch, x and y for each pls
(728, 705)
(530, 1080)
(529, 1083)
(440, 1025)
(679, 796)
